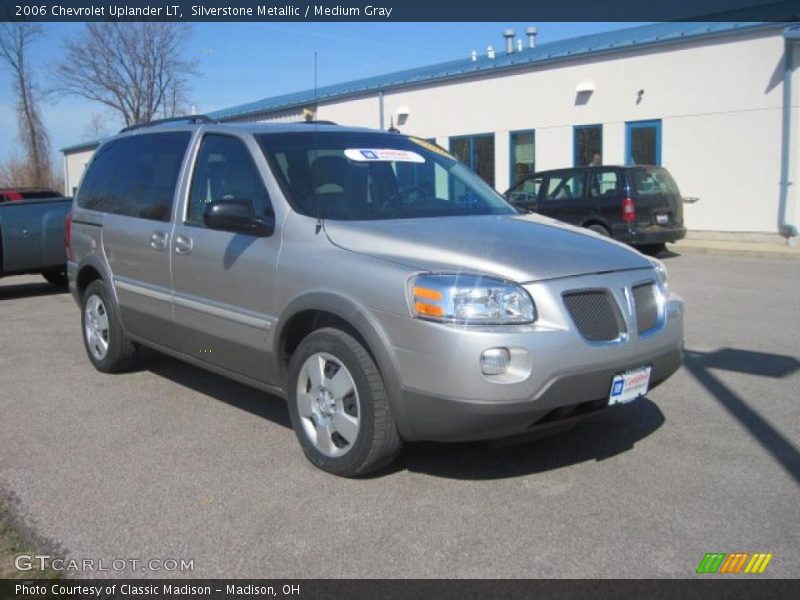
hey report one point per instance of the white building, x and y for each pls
(706, 100)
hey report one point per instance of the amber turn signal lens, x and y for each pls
(421, 292)
(430, 310)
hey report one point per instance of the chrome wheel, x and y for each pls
(95, 327)
(328, 404)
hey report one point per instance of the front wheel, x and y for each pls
(339, 407)
(108, 347)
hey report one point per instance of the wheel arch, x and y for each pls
(316, 310)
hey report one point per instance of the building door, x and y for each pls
(643, 142)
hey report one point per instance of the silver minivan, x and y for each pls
(369, 278)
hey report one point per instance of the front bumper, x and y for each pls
(444, 396)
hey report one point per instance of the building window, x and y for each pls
(588, 145)
(477, 152)
(523, 145)
(643, 142)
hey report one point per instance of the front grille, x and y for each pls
(646, 304)
(596, 315)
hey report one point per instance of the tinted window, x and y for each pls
(527, 191)
(358, 176)
(653, 181)
(588, 145)
(225, 171)
(603, 182)
(522, 154)
(477, 152)
(135, 176)
(565, 186)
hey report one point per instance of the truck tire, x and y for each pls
(57, 277)
(339, 407)
(106, 344)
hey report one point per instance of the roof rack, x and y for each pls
(193, 119)
(315, 123)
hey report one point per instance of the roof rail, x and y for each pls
(314, 123)
(188, 118)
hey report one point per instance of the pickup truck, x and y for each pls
(32, 238)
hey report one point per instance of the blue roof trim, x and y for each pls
(610, 41)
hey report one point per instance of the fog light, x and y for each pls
(495, 361)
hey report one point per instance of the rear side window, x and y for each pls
(603, 182)
(565, 186)
(653, 181)
(135, 176)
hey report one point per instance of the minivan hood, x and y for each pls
(521, 248)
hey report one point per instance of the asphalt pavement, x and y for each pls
(171, 462)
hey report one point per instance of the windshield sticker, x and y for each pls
(432, 147)
(382, 155)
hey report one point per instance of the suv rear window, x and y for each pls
(653, 181)
(135, 176)
(364, 176)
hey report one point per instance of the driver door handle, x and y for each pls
(158, 240)
(183, 244)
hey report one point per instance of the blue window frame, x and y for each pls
(522, 155)
(587, 145)
(643, 142)
(477, 152)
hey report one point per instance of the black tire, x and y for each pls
(120, 353)
(597, 228)
(57, 277)
(653, 249)
(377, 442)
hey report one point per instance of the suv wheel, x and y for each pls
(106, 344)
(597, 228)
(339, 407)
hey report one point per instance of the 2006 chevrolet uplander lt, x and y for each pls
(368, 277)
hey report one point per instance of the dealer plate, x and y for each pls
(629, 386)
(662, 219)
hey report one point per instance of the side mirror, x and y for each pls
(237, 215)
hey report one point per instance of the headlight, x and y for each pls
(661, 273)
(470, 299)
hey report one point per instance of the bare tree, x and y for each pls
(137, 69)
(97, 127)
(15, 40)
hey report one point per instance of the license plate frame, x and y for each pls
(629, 385)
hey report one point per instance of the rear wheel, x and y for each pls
(653, 249)
(597, 228)
(339, 407)
(108, 347)
(57, 277)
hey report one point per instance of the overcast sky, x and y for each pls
(243, 62)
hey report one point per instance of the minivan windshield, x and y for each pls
(352, 176)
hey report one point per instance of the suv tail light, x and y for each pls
(628, 210)
(68, 235)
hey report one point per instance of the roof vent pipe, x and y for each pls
(509, 35)
(490, 52)
(531, 32)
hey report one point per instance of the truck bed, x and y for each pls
(32, 235)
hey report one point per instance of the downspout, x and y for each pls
(380, 104)
(791, 35)
(66, 175)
